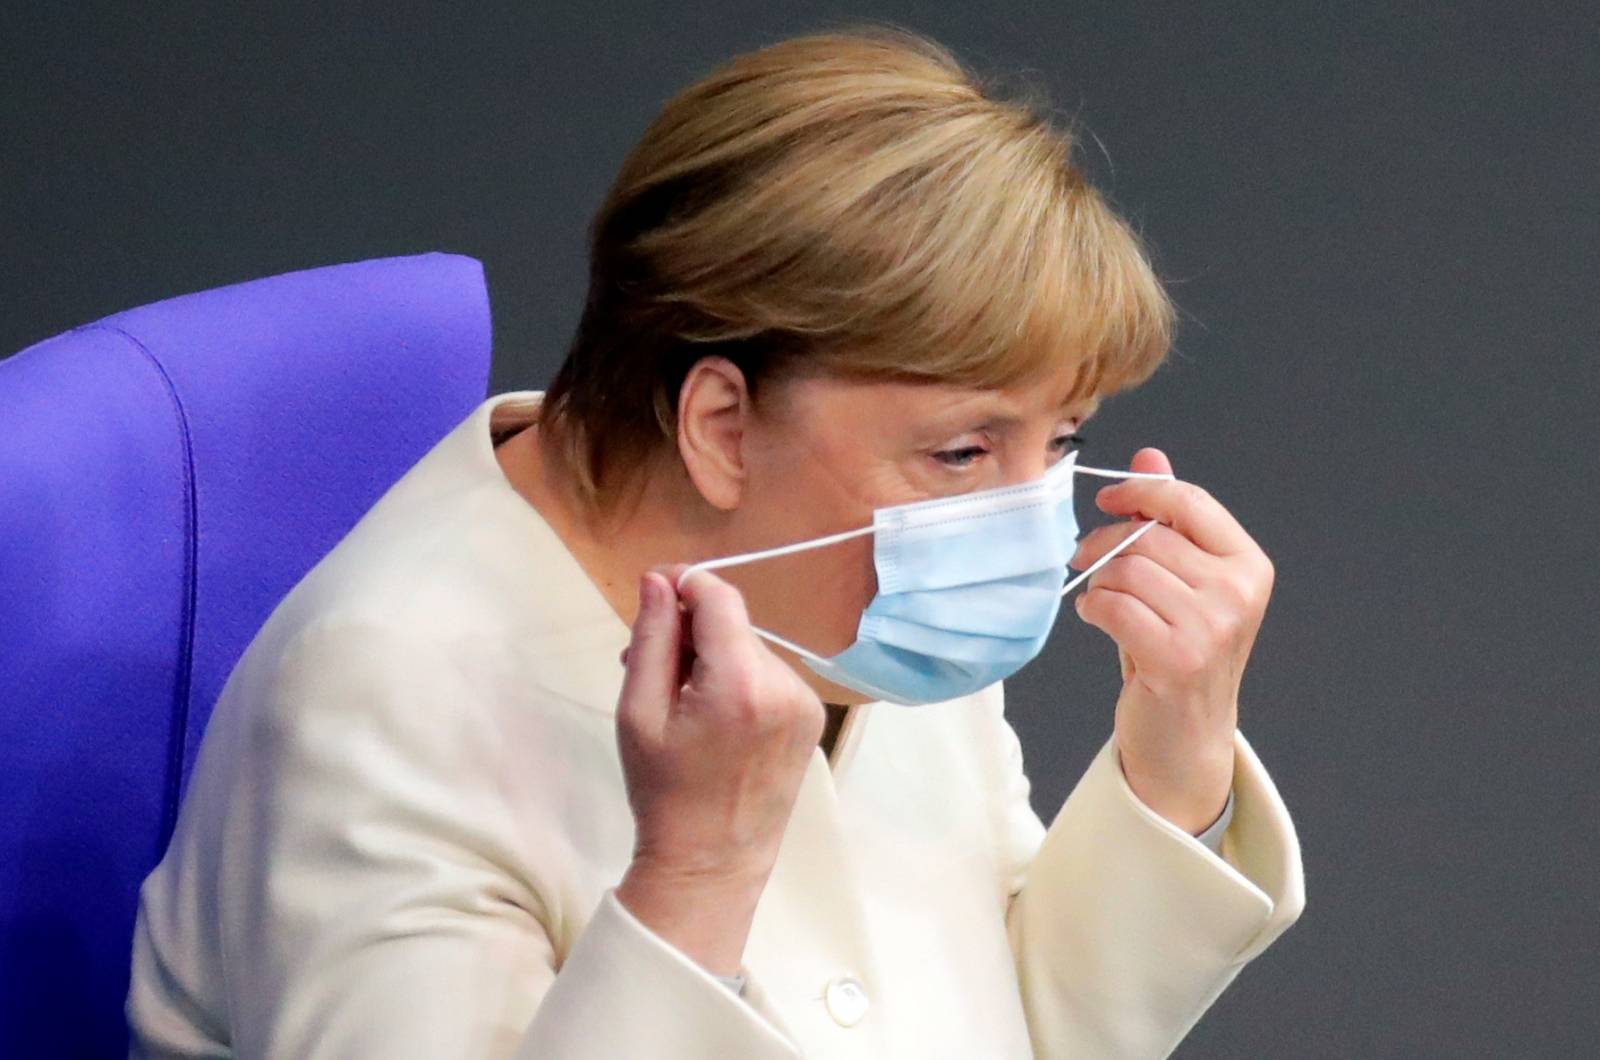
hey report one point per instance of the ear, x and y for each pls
(713, 414)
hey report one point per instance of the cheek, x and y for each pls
(823, 590)
(828, 591)
(856, 586)
(815, 596)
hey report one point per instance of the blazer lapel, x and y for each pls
(810, 924)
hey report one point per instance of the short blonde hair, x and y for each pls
(854, 202)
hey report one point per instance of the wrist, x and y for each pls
(1193, 806)
(728, 882)
(706, 917)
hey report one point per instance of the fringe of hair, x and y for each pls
(853, 202)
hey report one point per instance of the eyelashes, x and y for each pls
(960, 457)
(966, 454)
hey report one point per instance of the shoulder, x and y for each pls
(433, 648)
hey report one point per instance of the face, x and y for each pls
(820, 454)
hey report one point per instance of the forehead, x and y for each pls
(938, 406)
(955, 405)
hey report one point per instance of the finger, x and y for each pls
(1151, 459)
(1184, 506)
(1161, 543)
(685, 655)
(672, 572)
(718, 623)
(1163, 592)
(1127, 620)
(652, 678)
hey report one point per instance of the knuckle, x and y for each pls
(743, 692)
(1238, 590)
(1112, 604)
(630, 733)
(1189, 660)
(1139, 565)
(803, 714)
(1112, 571)
(1253, 594)
(1223, 625)
(1253, 588)
(1193, 497)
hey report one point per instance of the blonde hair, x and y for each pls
(851, 202)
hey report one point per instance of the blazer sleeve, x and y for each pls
(1124, 927)
(375, 906)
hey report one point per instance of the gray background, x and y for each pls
(1379, 221)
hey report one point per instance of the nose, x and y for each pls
(1032, 468)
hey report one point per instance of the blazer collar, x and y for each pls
(572, 637)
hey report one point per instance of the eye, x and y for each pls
(961, 457)
(1069, 441)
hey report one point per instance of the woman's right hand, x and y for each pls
(715, 733)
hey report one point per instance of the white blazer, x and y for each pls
(408, 815)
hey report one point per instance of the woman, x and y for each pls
(660, 714)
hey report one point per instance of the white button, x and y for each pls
(846, 999)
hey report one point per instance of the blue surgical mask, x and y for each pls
(968, 587)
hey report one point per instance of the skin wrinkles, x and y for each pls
(1182, 603)
(816, 456)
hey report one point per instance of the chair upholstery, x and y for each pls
(167, 474)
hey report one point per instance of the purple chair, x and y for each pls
(167, 475)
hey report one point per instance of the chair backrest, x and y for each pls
(167, 474)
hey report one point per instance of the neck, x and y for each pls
(616, 548)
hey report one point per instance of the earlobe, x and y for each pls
(713, 409)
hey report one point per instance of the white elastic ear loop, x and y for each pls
(1114, 473)
(1131, 538)
(781, 550)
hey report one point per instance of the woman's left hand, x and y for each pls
(1183, 604)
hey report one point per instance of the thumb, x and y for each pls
(651, 681)
(1152, 460)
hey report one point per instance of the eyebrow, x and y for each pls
(1001, 421)
(981, 419)
(1006, 419)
